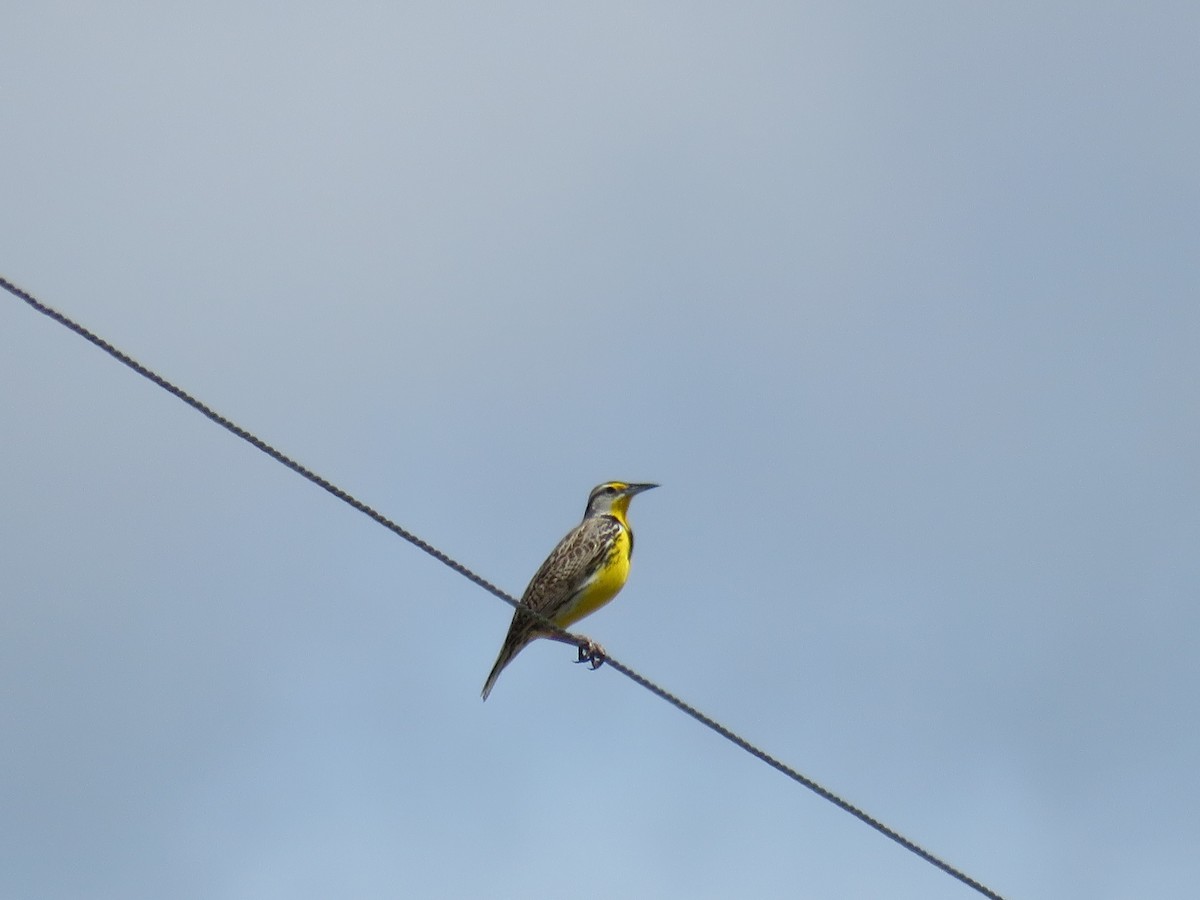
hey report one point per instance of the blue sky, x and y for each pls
(899, 305)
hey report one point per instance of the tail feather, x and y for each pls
(507, 653)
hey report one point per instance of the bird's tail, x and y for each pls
(507, 653)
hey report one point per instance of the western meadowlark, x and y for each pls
(586, 570)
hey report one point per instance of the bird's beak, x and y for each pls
(638, 488)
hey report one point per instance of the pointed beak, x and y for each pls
(638, 488)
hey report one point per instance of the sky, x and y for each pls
(898, 303)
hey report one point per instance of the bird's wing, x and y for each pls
(564, 572)
(567, 567)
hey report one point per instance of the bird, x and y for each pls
(586, 570)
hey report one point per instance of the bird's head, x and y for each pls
(612, 498)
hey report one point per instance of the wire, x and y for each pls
(458, 567)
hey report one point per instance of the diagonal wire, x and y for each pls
(458, 567)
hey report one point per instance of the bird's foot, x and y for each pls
(591, 653)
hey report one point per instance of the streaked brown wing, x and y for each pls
(566, 568)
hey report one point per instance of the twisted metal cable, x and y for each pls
(582, 642)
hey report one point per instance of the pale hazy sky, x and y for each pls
(898, 303)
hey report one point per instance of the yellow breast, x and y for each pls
(604, 584)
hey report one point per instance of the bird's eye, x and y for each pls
(610, 490)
